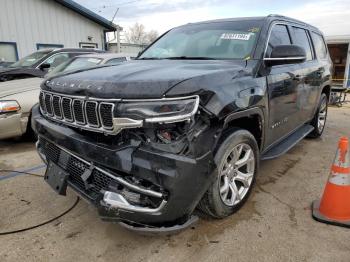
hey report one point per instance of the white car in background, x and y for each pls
(17, 97)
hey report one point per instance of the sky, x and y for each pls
(331, 16)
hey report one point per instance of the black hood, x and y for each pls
(140, 78)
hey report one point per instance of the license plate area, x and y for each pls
(56, 177)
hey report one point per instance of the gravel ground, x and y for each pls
(274, 225)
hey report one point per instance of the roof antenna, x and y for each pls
(115, 14)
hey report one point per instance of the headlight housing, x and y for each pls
(9, 106)
(167, 110)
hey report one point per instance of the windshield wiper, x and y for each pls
(149, 58)
(178, 58)
(190, 58)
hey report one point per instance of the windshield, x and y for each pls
(216, 40)
(76, 63)
(30, 59)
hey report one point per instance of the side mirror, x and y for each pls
(286, 54)
(44, 67)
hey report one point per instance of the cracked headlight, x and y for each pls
(9, 106)
(167, 110)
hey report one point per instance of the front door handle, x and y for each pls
(297, 78)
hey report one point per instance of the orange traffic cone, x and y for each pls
(334, 207)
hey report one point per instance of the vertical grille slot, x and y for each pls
(56, 103)
(42, 103)
(91, 113)
(48, 104)
(106, 114)
(78, 110)
(67, 109)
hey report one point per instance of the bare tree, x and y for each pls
(137, 34)
(152, 36)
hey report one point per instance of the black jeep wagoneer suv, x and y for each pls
(185, 125)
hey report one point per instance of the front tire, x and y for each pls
(319, 120)
(237, 160)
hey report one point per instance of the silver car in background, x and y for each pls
(17, 97)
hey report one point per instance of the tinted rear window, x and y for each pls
(301, 39)
(320, 47)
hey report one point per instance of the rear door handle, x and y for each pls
(320, 71)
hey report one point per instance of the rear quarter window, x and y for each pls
(320, 46)
(301, 39)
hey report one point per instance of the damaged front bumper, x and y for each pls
(132, 184)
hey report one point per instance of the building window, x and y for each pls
(88, 45)
(45, 46)
(8, 52)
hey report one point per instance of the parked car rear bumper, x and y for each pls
(12, 125)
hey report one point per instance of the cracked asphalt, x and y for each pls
(274, 225)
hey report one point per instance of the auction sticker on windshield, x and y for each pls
(235, 36)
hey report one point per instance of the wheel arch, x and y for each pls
(251, 120)
(326, 90)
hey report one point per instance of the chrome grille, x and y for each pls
(106, 112)
(87, 114)
(48, 104)
(78, 111)
(91, 113)
(42, 102)
(56, 100)
(67, 109)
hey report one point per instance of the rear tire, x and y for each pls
(319, 120)
(237, 161)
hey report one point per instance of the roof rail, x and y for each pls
(289, 18)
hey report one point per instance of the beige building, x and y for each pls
(29, 25)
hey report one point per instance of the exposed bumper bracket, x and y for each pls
(117, 201)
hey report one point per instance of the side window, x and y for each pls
(116, 60)
(301, 39)
(279, 36)
(320, 47)
(56, 60)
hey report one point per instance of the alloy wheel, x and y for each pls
(236, 175)
(322, 114)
